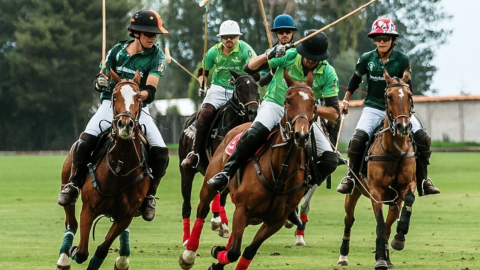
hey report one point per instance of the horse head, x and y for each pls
(299, 110)
(398, 104)
(127, 105)
(245, 95)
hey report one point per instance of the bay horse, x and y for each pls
(390, 175)
(241, 108)
(272, 184)
(116, 184)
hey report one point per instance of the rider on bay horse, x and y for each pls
(309, 56)
(125, 58)
(229, 54)
(384, 35)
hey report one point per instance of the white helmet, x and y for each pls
(229, 27)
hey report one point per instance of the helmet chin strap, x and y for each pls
(143, 47)
(389, 49)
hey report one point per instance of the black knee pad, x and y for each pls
(423, 142)
(357, 144)
(206, 113)
(327, 163)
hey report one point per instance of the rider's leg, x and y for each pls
(424, 184)
(81, 152)
(249, 142)
(204, 118)
(159, 162)
(356, 149)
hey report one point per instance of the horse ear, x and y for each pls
(310, 78)
(406, 75)
(234, 74)
(386, 75)
(287, 78)
(114, 76)
(137, 77)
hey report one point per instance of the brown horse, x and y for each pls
(115, 186)
(241, 108)
(390, 174)
(272, 183)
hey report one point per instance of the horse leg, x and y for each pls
(304, 209)
(187, 175)
(392, 216)
(80, 253)
(223, 231)
(216, 221)
(122, 262)
(262, 234)
(71, 226)
(102, 250)
(350, 204)
(381, 241)
(403, 224)
(187, 258)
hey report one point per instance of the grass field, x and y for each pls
(443, 233)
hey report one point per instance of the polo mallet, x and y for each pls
(169, 59)
(204, 3)
(342, 117)
(104, 36)
(335, 22)
(260, 2)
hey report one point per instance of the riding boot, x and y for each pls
(355, 152)
(159, 163)
(204, 119)
(248, 144)
(423, 152)
(81, 153)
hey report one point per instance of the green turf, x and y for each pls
(443, 232)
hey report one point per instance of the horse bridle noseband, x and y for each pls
(126, 113)
(392, 121)
(240, 107)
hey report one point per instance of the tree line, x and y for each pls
(50, 51)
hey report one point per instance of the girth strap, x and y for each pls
(92, 168)
(391, 157)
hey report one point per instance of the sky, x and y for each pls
(458, 61)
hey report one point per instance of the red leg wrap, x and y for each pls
(186, 229)
(216, 204)
(243, 264)
(303, 218)
(194, 239)
(222, 257)
(223, 215)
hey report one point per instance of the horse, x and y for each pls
(241, 108)
(272, 183)
(390, 175)
(116, 184)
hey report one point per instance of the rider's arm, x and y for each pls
(148, 94)
(331, 110)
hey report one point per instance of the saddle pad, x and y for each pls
(232, 145)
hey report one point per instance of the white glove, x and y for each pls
(101, 83)
(277, 51)
(202, 91)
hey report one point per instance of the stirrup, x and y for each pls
(71, 184)
(209, 182)
(351, 179)
(428, 180)
(192, 153)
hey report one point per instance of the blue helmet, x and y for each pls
(283, 21)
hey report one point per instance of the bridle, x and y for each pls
(392, 121)
(239, 107)
(116, 117)
(287, 131)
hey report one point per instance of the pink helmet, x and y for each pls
(383, 26)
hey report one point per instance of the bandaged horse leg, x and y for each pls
(424, 184)
(216, 220)
(122, 262)
(403, 224)
(304, 209)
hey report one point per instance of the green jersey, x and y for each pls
(148, 62)
(370, 63)
(325, 80)
(241, 54)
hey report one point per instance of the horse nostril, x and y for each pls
(119, 124)
(130, 124)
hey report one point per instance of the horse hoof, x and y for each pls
(381, 264)
(63, 262)
(288, 224)
(300, 241)
(189, 261)
(121, 263)
(224, 231)
(215, 224)
(217, 249)
(342, 261)
(398, 245)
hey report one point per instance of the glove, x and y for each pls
(202, 91)
(101, 83)
(277, 51)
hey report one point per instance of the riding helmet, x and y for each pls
(228, 28)
(314, 48)
(383, 26)
(283, 21)
(147, 21)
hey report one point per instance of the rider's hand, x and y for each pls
(202, 91)
(101, 83)
(277, 51)
(344, 107)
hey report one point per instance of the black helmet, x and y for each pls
(147, 21)
(314, 48)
